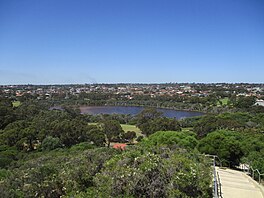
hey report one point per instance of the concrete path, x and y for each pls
(236, 184)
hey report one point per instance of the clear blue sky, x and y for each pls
(97, 41)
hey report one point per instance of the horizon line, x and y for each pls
(110, 83)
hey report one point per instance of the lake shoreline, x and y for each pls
(134, 110)
(167, 108)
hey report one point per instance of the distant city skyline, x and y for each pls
(134, 41)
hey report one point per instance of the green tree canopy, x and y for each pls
(112, 130)
(144, 119)
(172, 139)
(225, 144)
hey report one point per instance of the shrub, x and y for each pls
(225, 144)
(171, 139)
(50, 143)
(139, 173)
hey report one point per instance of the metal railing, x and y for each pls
(217, 187)
(220, 186)
(251, 172)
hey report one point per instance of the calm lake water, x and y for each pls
(135, 110)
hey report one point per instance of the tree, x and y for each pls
(164, 173)
(6, 113)
(13, 133)
(171, 139)
(148, 114)
(28, 110)
(225, 144)
(129, 136)
(96, 135)
(144, 119)
(112, 129)
(7, 155)
(73, 112)
(245, 101)
(71, 132)
(206, 125)
(50, 143)
(164, 124)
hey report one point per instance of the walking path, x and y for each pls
(236, 184)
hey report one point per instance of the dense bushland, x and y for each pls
(53, 153)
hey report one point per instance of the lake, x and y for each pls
(94, 110)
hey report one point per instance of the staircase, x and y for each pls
(236, 184)
(229, 183)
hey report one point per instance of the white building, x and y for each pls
(260, 102)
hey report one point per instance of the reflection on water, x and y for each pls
(135, 110)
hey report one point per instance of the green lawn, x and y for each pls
(126, 128)
(16, 103)
(224, 101)
(187, 129)
(129, 127)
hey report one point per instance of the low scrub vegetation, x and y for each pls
(58, 153)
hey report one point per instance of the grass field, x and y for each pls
(126, 128)
(187, 129)
(224, 101)
(16, 103)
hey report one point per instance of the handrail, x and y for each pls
(248, 166)
(220, 185)
(215, 156)
(217, 192)
(217, 184)
(253, 172)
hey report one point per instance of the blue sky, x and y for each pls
(110, 41)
